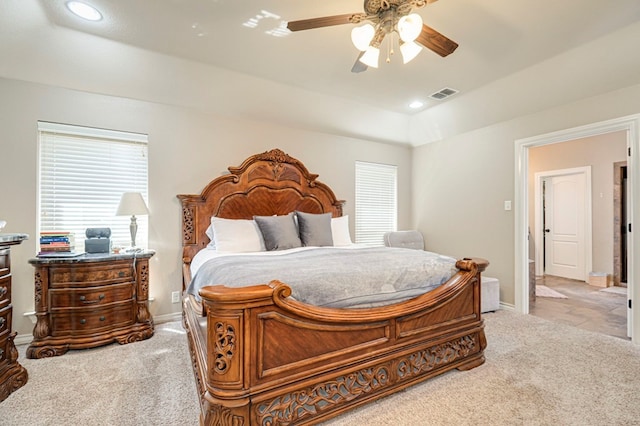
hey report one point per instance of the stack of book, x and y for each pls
(56, 243)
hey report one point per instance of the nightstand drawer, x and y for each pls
(4, 262)
(90, 275)
(5, 320)
(83, 321)
(91, 296)
(4, 350)
(5, 291)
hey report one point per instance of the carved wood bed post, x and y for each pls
(226, 401)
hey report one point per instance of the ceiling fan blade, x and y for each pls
(325, 21)
(431, 39)
(359, 66)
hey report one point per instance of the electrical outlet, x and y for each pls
(175, 297)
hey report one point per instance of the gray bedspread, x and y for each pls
(335, 277)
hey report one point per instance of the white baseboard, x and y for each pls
(174, 316)
(507, 306)
(23, 339)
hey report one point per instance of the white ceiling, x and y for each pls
(498, 39)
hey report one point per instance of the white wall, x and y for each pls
(461, 183)
(187, 148)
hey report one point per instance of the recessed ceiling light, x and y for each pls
(416, 105)
(84, 10)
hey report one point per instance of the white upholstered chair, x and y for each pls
(405, 239)
(490, 287)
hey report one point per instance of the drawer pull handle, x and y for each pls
(2, 322)
(1, 353)
(102, 318)
(84, 300)
(121, 274)
(83, 321)
(3, 291)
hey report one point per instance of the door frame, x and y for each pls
(617, 218)
(631, 124)
(539, 232)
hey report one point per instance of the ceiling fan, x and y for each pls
(386, 17)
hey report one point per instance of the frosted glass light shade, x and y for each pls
(362, 36)
(409, 50)
(409, 27)
(370, 57)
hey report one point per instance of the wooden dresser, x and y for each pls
(12, 374)
(90, 300)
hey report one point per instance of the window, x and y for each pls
(83, 173)
(376, 202)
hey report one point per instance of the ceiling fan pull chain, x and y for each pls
(389, 48)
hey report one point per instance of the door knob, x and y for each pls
(547, 230)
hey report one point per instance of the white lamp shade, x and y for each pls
(409, 27)
(370, 57)
(409, 50)
(132, 203)
(362, 36)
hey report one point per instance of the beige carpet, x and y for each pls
(537, 373)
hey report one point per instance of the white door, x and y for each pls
(564, 227)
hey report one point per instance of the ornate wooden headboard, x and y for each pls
(271, 183)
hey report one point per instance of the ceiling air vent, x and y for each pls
(443, 94)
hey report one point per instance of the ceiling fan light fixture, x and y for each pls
(370, 57)
(361, 36)
(409, 27)
(409, 50)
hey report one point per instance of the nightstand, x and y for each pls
(90, 300)
(12, 374)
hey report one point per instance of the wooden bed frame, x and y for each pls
(261, 358)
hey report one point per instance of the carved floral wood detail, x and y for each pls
(225, 346)
(222, 416)
(435, 356)
(187, 228)
(142, 313)
(308, 402)
(144, 282)
(38, 289)
(17, 378)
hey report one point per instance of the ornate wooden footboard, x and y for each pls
(262, 358)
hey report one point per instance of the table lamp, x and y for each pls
(132, 204)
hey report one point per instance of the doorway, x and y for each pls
(562, 223)
(630, 125)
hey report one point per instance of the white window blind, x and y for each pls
(83, 173)
(376, 202)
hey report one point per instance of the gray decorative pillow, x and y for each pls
(315, 229)
(278, 232)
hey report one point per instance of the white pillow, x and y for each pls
(340, 231)
(212, 241)
(236, 235)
